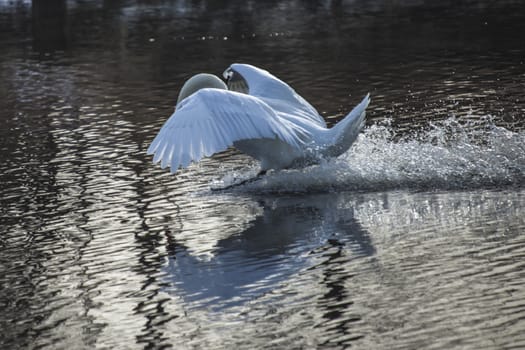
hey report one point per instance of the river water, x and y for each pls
(414, 239)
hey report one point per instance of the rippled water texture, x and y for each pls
(411, 240)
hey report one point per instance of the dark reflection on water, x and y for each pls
(411, 240)
(274, 246)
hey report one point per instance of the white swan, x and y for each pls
(260, 115)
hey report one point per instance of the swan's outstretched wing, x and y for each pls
(257, 82)
(211, 120)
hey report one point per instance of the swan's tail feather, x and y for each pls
(344, 133)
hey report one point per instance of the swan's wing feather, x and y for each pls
(257, 82)
(211, 120)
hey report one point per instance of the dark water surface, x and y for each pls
(413, 239)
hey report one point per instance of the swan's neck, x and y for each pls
(200, 81)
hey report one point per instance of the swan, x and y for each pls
(256, 113)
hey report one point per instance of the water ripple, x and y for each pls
(413, 239)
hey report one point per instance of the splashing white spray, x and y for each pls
(450, 154)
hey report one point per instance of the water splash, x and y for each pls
(449, 154)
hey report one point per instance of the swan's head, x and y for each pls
(200, 81)
(236, 81)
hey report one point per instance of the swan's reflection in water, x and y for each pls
(276, 244)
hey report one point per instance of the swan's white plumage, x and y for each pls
(269, 122)
(275, 92)
(211, 120)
